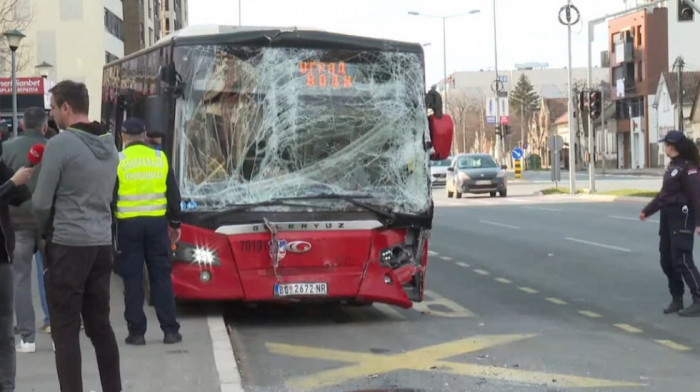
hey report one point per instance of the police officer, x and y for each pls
(679, 203)
(148, 222)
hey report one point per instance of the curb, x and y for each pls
(224, 357)
(633, 199)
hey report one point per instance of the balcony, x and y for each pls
(625, 53)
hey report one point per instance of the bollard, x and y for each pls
(518, 168)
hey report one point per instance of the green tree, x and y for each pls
(523, 97)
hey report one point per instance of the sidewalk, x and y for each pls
(187, 367)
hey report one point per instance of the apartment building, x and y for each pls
(149, 20)
(54, 32)
(638, 45)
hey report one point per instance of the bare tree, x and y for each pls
(14, 15)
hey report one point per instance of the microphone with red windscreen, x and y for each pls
(35, 154)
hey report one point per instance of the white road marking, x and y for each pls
(226, 366)
(542, 208)
(446, 258)
(465, 265)
(630, 218)
(389, 311)
(598, 244)
(432, 253)
(500, 225)
(527, 290)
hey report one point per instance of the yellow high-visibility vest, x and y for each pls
(142, 175)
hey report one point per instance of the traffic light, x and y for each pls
(685, 12)
(499, 131)
(594, 104)
(507, 129)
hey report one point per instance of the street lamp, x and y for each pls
(444, 45)
(44, 68)
(14, 37)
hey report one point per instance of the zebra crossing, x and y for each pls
(477, 201)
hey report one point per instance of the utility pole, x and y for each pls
(500, 152)
(522, 125)
(679, 98)
(566, 18)
(602, 126)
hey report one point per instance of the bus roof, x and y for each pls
(283, 36)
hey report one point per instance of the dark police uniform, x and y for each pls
(679, 204)
(147, 202)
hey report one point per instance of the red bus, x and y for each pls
(302, 159)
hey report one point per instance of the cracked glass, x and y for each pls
(256, 124)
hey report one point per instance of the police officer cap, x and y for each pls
(673, 137)
(133, 126)
(155, 133)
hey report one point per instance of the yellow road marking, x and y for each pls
(503, 280)
(590, 314)
(628, 328)
(482, 272)
(673, 345)
(432, 299)
(556, 301)
(362, 365)
(527, 290)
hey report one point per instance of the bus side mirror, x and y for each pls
(441, 133)
(157, 113)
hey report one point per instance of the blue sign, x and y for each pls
(518, 153)
(490, 119)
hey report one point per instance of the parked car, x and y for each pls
(438, 171)
(476, 173)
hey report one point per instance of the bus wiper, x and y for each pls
(352, 199)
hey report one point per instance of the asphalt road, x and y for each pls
(526, 293)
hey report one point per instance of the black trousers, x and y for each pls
(677, 231)
(145, 239)
(77, 283)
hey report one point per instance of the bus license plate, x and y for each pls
(290, 289)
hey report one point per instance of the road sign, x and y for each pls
(503, 78)
(555, 143)
(505, 120)
(518, 153)
(490, 119)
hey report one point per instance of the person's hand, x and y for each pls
(22, 176)
(642, 216)
(174, 235)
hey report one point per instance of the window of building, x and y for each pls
(114, 25)
(109, 57)
(141, 34)
(150, 36)
(150, 9)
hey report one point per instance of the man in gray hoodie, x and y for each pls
(72, 205)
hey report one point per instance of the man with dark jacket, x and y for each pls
(14, 193)
(27, 237)
(72, 205)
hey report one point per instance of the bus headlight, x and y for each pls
(193, 254)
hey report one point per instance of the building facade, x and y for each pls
(56, 28)
(147, 21)
(547, 82)
(638, 45)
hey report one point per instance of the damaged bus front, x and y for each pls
(303, 163)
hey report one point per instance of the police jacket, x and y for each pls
(172, 194)
(10, 194)
(681, 187)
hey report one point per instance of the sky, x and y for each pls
(527, 31)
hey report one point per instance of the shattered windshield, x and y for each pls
(268, 123)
